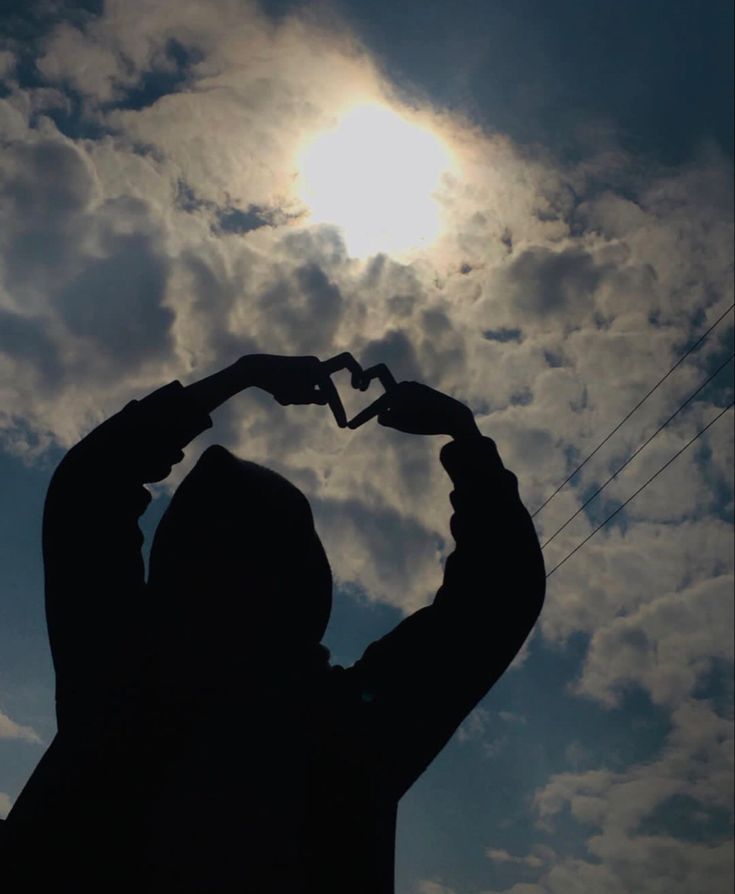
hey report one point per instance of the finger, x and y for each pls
(396, 418)
(369, 412)
(331, 396)
(296, 396)
(385, 376)
(354, 368)
(334, 364)
(345, 360)
(306, 395)
(380, 372)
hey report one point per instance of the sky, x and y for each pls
(542, 229)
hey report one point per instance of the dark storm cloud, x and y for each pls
(102, 271)
(402, 305)
(50, 181)
(546, 282)
(45, 188)
(214, 293)
(97, 268)
(404, 282)
(395, 349)
(302, 311)
(403, 544)
(116, 302)
(442, 348)
(430, 349)
(26, 340)
(322, 245)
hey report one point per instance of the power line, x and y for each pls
(642, 487)
(633, 455)
(639, 404)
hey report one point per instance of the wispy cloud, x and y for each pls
(9, 729)
(5, 805)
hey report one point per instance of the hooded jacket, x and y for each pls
(205, 742)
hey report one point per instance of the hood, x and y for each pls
(236, 563)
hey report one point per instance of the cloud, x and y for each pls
(546, 283)
(511, 717)
(151, 228)
(430, 887)
(116, 303)
(522, 888)
(118, 274)
(666, 646)
(46, 185)
(475, 725)
(5, 805)
(113, 284)
(696, 762)
(7, 63)
(302, 312)
(408, 552)
(497, 855)
(9, 729)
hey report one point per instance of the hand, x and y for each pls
(419, 410)
(296, 380)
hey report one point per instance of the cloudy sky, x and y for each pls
(528, 205)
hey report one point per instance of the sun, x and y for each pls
(374, 175)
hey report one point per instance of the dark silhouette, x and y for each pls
(204, 741)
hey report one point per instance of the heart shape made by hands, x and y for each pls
(361, 379)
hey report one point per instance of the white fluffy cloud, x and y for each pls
(625, 851)
(667, 645)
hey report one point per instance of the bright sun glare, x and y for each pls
(374, 176)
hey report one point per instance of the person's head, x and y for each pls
(236, 564)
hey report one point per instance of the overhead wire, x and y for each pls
(639, 449)
(636, 407)
(642, 487)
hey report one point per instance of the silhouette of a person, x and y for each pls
(204, 741)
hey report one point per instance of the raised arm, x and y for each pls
(95, 592)
(420, 681)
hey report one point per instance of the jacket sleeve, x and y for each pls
(94, 572)
(419, 682)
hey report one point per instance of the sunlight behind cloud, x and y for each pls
(374, 176)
